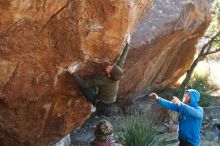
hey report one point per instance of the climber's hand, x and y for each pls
(128, 38)
(73, 68)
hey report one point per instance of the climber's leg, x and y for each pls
(103, 108)
(90, 94)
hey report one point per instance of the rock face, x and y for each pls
(39, 103)
(163, 45)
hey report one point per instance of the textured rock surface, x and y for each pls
(39, 102)
(163, 45)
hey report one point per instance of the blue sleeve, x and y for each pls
(167, 104)
(195, 112)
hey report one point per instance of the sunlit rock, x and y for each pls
(163, 44)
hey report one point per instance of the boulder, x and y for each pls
(163, 45)
(39, 102)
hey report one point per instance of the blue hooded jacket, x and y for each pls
(190, 117)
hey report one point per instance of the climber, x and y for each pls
(104, 134)
(107, 83)
(190, 116)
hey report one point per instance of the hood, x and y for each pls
(195, 97)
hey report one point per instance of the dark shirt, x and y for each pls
(107, 88)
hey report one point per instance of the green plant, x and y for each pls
(210, 137)
(201, 83)
(205, 99)
(136, 129)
